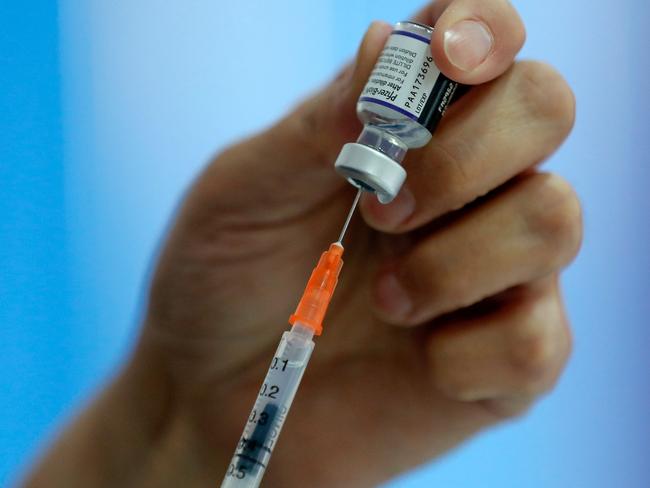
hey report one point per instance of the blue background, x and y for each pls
(109, 108)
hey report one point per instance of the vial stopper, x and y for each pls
(371, 170)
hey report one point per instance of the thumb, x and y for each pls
(474, 41)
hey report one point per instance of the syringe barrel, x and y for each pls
(270, 410)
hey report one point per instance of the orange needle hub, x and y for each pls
(320, 289)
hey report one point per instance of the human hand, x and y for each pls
(449, 300)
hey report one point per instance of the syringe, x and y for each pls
(274, 399)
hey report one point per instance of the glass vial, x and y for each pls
(400, 106)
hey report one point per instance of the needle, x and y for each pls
(350, 214)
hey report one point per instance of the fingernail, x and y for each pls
(468, 43)
(391, 296)
(393, 214)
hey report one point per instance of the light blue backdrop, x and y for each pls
(108, 109)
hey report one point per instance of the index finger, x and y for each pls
(474, 41)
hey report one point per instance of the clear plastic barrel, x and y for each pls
(271, 407)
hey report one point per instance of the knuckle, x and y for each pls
(456, 169)
(516, 27)
(532, 356)
(538, 349)
(546, 95)
(423, 274)
(435, 283)
(557, 218)
(447, 378)
(455, 388)
(520, 34)
(509, 408)
(446, 382)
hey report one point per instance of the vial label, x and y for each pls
(406, 79)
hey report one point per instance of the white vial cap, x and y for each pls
(371, 169)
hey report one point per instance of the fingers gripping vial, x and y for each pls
(400, 107)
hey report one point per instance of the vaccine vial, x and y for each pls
(400, 107)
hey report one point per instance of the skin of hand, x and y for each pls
(448, 317)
